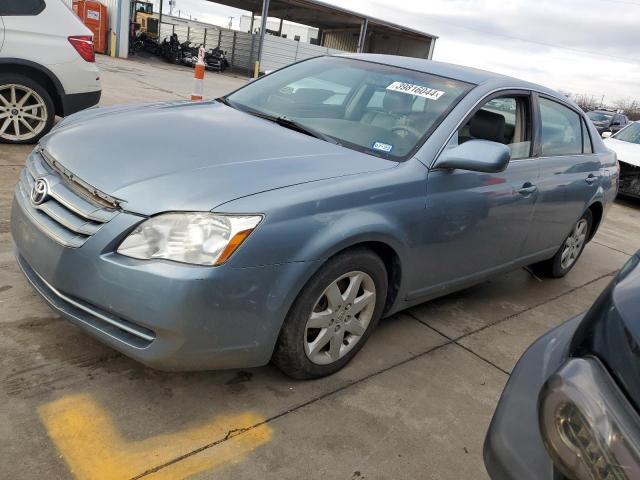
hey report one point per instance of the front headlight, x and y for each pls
(587, 424)
(197, 238)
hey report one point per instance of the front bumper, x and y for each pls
(176, 316)
(513, 448)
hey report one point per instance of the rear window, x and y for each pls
(21, 7)
(599, 116)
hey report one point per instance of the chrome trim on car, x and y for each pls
(483, 99)
(61, 212)
(87, 190)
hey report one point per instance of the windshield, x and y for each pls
(599, 116)
(630, 134)
(378, 109)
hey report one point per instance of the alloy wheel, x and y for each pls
(23, 113)
(340, 317)
(574, 243)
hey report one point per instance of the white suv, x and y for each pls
(47, 67)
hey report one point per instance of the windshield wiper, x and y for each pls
(283, 121)
(224, 101)
(297, 126)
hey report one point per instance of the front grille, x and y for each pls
(69, 216)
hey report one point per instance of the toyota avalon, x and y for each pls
(341, 189)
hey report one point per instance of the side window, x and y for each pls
(506, 120)
(561, 130)
(586, 139)
(21, 7)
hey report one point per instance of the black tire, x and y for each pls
(48, 113)
(553, 267)
(290, 355)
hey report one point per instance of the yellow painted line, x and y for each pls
(85, 436)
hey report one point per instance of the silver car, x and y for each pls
(318, 199)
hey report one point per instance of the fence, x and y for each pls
(242, 47)
(279, 52)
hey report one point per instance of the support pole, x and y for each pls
(160, 22)
(263, 30)
(432, 45)
(280, 28)
(363, 35)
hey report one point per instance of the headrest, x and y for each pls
(487, 126)
(397, 102)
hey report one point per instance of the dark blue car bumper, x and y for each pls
(513, 448)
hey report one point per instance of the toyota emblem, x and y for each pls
(40, 192)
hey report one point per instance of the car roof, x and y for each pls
(457, 72)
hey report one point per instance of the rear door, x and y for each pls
(569, 173)
(477, 222)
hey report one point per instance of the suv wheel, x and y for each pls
(26, 110)
(333, 315)
(565, 259)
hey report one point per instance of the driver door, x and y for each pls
(476, 223)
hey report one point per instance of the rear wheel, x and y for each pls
(333, 315)
(567, 256)
(26, 110)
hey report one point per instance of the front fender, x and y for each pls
(349, 230)
(314, 221)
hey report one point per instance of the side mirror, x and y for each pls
(606, 134)
(476, 156)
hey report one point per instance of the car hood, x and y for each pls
(627, 152)
(193, 156)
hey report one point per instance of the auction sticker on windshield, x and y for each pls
(417, 90)
(384, 147)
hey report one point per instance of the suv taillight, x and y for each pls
(84, 45)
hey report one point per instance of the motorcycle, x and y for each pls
(146, 43)
(190, 53)
(171, 49)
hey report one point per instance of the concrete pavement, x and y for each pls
(415, 403)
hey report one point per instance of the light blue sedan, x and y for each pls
(306, 206)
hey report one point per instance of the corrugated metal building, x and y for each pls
(339, 30)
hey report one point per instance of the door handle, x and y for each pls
(591, 179)
(527, 189)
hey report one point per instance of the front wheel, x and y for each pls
(567, 256)
(26, 110)
(333, 315)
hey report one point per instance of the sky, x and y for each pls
(576, 46)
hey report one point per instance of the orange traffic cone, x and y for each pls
(198, 87)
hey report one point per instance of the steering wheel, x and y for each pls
(409, 130)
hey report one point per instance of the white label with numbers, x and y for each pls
(417, 90)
